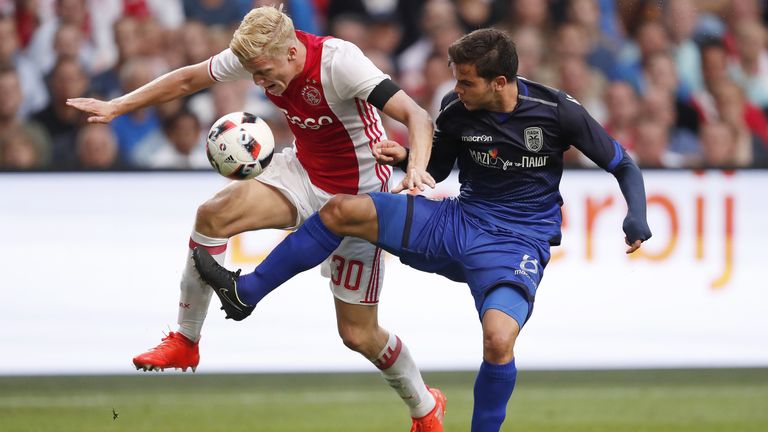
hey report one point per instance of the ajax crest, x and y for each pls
(534, 138)
(311, 95)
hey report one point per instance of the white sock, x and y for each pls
(400, 371)
(195, 296)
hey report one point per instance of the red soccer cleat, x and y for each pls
(175, 351)
(432, 422)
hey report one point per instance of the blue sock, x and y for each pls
(301, 250)
(493, 388)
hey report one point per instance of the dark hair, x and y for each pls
(172, 120)
(711, 42)
(492, 51)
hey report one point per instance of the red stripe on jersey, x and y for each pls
(374, 120)
(386, 169)
(210, 69)
(369, 133)
(382, 170)
(372, 291)
(390, 355)
(213, 250)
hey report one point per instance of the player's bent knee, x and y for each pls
(338, 213)
(212, 216)
(498, 346)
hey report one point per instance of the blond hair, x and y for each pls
(265, 30)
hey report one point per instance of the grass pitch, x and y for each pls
(734, 400)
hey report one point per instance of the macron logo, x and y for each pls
(476, 138)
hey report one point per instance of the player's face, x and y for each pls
(272, 73)
(474, 92)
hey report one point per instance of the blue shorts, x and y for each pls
(436, 236)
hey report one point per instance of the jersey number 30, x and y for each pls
(349, 270)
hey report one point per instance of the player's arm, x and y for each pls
(402, 108)
(441, 161)
(175, 84)
(445, 148)
(592, 139)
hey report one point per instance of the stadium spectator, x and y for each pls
(659, 106)
(10, 120)
(659, 72)
(214, 12)
(195, 42)
(68, 42)
(439, 83)
(134, 127)
(128, 42)
(19, 150)
(585, 84)
(183, 144)
(96, 147)
(530, 47)
(602, 47)
(31, 79)
(680, 18)
(67, 80)
(732, 107)
(651, 38)
(528, 13)
(750, 69)
(352, 28)
(27, 19)
(384, 35)
(718, 148)
(652, 146)
(623, 107)
(41, 48)
(438, 17)
(477, 14)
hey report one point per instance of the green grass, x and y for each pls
(734, 400)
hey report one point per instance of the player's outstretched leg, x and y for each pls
(224, 284)
(302, 250)
(180, 349)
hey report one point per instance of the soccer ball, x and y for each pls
(240, 145)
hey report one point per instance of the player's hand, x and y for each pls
(103, 112)
(415, 180)
(637, 231)
(389, 152)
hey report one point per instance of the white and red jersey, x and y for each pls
(327, 111)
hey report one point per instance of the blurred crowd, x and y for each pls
(680, 83)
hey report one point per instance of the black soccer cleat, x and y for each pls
(224, 284)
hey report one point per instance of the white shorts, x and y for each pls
(356, 267)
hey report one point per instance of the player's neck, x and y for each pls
(506, 99)
(301, 58)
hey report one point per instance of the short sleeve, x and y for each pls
(353, 75)
(225, 66)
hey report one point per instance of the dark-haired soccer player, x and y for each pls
(508, 135)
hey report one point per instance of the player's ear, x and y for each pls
(499, 82)
(292, 51)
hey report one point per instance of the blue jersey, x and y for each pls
(510, 164)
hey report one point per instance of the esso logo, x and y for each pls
(308, 123)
